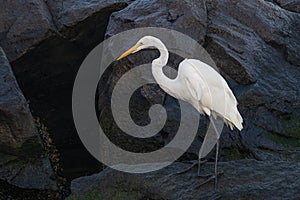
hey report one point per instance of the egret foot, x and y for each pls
(194, 163)
(210, 177)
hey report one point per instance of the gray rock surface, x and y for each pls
(16, 125)
(255, 45)
(21, 161)
(46, 41)
(291, 5)
(24, 25)
(185, 16)
(243, 179)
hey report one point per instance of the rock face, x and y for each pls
(291, 5)
(19, 30)
(46, 41)
(255, 46)
(250, 179)
(21, 161)
(16, 121)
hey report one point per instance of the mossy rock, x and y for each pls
(113, 195)
(292, 128)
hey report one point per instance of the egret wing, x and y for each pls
(194, 88)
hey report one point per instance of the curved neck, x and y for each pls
(159, 63)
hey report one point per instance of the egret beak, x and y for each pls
(130, 51)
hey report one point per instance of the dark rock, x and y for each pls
(250, 179)
(291, 5)
(21, 161)
(184, 16)
(57, 36)
(188, 17)
(16, 125)
(23, 25)
(30, 172)
(255, 46)
(21, 31)
(264, 39)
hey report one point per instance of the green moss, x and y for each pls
(95, 195)
(88, 196)
(232, 154)
(292, 127)
(31, 147)
(287, 142)
(5, 158)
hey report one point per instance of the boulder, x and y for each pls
(291, 5)
(250, 179)
(23, 25)
(22, 159)
(16, 127)
(184, 16)
(46, 41)
(254, 44)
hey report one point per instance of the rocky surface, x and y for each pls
(21, 153)
(291, 5)
(46, 41)
(255, 46)
(244, 179)
(16, 126)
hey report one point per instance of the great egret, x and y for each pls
(196, 83)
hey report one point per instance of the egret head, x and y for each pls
(143, 43)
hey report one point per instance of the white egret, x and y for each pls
(196, 83)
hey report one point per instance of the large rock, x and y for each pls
(16, 127)
(22, 160)
(255, 45)
(291, 5)
(187, 16)
(184, 16)
(23, 24)
(46, 43)
(250, 179)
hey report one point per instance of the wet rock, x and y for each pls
(185, 16)
(23, 25)
(21, 32)
(16, 125)
(21, 161)
(291, 5)
(59, 35)
(188, 17)
(249, 179)
(255, 46)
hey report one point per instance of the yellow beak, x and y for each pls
(130, 51)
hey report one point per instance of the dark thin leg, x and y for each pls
(198, 167)
(216, 165)
(190, 167)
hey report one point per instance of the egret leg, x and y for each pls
(215, 175)
(216, 165)
(198, 172)
(194, 163)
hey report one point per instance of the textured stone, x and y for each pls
(16, 123)
(243, 179)
(254, 44)
(21, 161)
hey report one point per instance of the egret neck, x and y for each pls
(164, 82)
